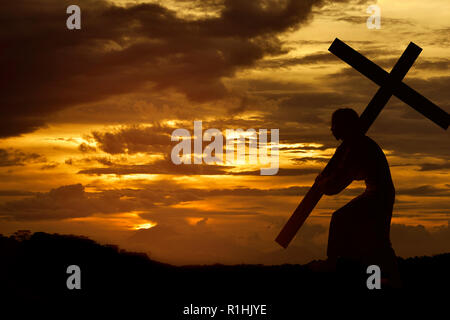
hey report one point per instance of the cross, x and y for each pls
(390, 84)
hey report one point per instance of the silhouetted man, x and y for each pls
(359, 231)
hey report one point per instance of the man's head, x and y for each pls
(345, 124)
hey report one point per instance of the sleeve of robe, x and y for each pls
(344, 169)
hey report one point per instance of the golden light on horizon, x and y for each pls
(145, 226)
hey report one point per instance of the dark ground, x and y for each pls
(33, 270)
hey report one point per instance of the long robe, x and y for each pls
(360, 229)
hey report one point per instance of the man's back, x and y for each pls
(366, 161)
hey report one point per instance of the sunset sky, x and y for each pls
(87, 116)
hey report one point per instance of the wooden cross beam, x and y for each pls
(390, 84)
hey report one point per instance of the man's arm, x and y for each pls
(334, 183)
(341, 174)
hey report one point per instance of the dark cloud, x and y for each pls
(420, 191)
(250, 192)
(104, 161)
(14, 157)
(269, 85)
(307, 106)
(158, 167)
(419, 241)
(134, 139)
(434, 166)
(62, 203)
(281, 172)
(324, 57)
(425, 191)
(430, 64)
(439, 64)
(72, 201)
(90, 160)
(168, 213)
(385, 21)
(157, 138)
(315, 58)
(313, 159)
(85, 148)
(167, 167)
(15, 193)
(49, 166)
(121, 49)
